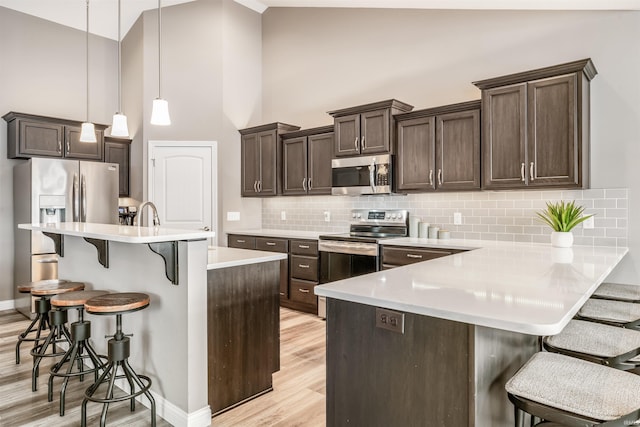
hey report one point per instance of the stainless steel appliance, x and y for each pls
(361, 175)
(53, 191)
(357, 252)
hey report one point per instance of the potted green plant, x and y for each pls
(562, 217)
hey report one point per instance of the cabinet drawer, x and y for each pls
(304, 267)
(302, 291)
(406, 255)
(304, 247)
(272, 245)
(242, 242)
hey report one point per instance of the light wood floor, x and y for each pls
(298, 398)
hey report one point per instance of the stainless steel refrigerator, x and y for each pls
(52, 191)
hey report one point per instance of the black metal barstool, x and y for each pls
(118, 356)
(58, 332)
(614, 313)
(81, 348)
(618, 292)
(42, 307)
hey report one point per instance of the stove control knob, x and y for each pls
(358, 215)
(353, 215)
(393, 216)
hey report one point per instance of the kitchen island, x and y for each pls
(451, 331)
(172, 337)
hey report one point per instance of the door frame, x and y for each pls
(153, 144)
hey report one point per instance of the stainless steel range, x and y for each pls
(358, 252)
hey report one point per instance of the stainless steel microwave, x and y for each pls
(361, 175)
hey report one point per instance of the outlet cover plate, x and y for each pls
(233, 216)
(588, 224)
(390, 320)
(457, 218)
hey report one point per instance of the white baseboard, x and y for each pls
(7, 305)
(170, 412)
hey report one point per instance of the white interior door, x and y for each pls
(182, 183)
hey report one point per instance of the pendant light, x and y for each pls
(160, 110)
(88, 131)
(119, 126)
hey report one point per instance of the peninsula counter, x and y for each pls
(469, 321)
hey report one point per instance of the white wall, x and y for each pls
(316, 60)
(42, 71)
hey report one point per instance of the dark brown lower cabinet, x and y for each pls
(439, 373)
(243, 329)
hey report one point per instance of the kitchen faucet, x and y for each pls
(156, 219)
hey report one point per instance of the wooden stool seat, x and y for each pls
(76, 298)
(117, 303)
(26, 288)
(56, 288)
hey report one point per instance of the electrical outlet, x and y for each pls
(457, 218)
(327, 216)
(283, 215)
(233, 216)
(588, 224)
(390, 320)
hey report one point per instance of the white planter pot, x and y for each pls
(561, 239)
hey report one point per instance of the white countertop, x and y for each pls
(120, 233)
(285, 234)
(521, 287)
(222, 257)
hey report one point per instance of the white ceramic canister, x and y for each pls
(423, 230)
(444, 234)
(413, 226)
(433, 232)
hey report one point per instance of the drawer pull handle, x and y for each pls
(271, 243)
(282, 293)
(414, 256)
(303, 246)
(241, 241)
(304, 291)
(303, 265)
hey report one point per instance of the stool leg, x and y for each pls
(23, 335)
(519, 417)
(129, 370)
(36, 364)
(63, 387)
(105, 406)
(92, 389)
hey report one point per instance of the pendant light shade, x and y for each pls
(119, 126)
(88, 131)
(160, 110)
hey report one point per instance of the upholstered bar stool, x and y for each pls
(618, 292)
(42, 307)
(596, 342)
(58, 332)
(574, 392)
(118, 356)
(615, 313)
(81, 348)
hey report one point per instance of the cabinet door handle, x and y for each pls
(304, 184)
(303, 265)
(355, 144)
(241, 241)
(414, 256)
(255, 186)
(431, 177)
(309, 184)
(271, 243)
(522, 171)
(67, 146)
(531, 175)
(363, 143)
(304, 291)
(259, 186)
(439, 176)
(59, 146)
(303, 246)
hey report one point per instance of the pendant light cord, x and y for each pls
(159, 49)
(87, 56)
(119, 64)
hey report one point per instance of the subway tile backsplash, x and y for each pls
(486, 215)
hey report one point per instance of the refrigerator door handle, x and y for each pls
(75, 199)
(83, 199)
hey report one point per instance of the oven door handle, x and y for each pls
(370, 249)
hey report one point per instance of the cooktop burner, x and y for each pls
(371, 225)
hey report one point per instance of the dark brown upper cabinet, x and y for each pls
(261, 154)
(117, 150)
(366, 129)
(535, 128)
(439, 148)
(30, 135)
(306, 161)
